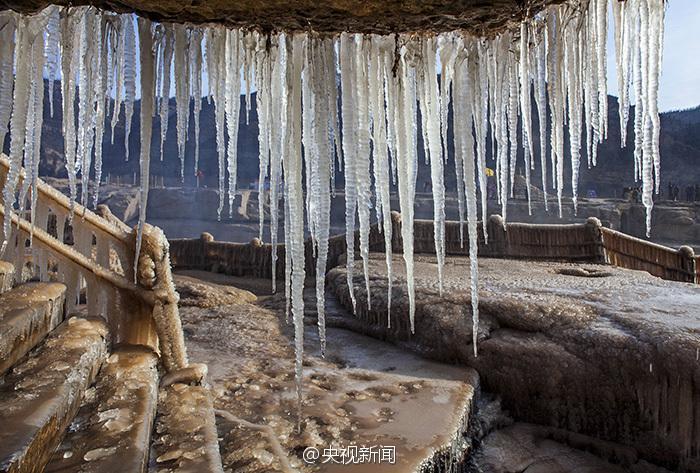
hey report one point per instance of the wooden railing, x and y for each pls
(629, 252)
(254, 259)
(100, 264)
(584, 242)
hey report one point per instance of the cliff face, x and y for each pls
(373, 16)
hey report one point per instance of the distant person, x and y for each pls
(670, 191)
(200, 176)
(676, 193)
(697, 192)
(690, 194)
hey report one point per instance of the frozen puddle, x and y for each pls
(398, 399)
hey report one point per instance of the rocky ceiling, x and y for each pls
(482, 17)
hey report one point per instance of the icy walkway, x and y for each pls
(366, 392)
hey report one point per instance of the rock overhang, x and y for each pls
(479, 17)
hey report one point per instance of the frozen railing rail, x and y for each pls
(588, 242)
(634, 253)
(101, 262)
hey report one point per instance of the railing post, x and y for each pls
(497, 237)
(595, 237)
(396, 241)
(688, 260)
(204, 239)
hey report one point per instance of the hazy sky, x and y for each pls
(680, 76)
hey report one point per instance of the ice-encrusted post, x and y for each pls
(688, 262)
(497, 246)
(396, 241)
(595, 238)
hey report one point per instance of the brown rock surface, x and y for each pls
(614, 357)
(364, 392)
(374, 16)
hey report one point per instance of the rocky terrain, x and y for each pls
(537, 404)
(602, 351)
(364, 392)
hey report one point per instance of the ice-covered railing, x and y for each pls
(634, 253)
(99, 265)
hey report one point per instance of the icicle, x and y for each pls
(219, 68)
(464, 145)
(512, 108)
(447, 57)
(33, 152)
(656, 39)
(278, 127)
(195, 69)
(248, 52)
(430, 113)
(102, 99)
(525, 107)
(601, 52)
(320, 151)
(294, 196)
(182, 92)
(168, 50)
(147, 60)
(541, 102)
(233, 106)
(53, 51)
(69, 21)
(556, 85)
(405, 93)
(129, 72)
(27, 109)
(362, 158)
(572, 76)
(480, 112)
(90, 44)
(348, 76)
(621, 71)
(378, 76)
(7, 59)
(263, 105)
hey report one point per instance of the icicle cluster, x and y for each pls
(348, 102)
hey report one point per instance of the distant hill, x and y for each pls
(680, 151)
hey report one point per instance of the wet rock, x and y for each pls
(371, 393)
(613, 357)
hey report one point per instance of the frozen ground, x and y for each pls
(366, 391)
(603, 351)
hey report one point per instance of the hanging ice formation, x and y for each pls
(557, 55)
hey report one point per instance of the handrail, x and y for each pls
(581, 242)
(57, 197)
(154, 288)
(81, 260)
